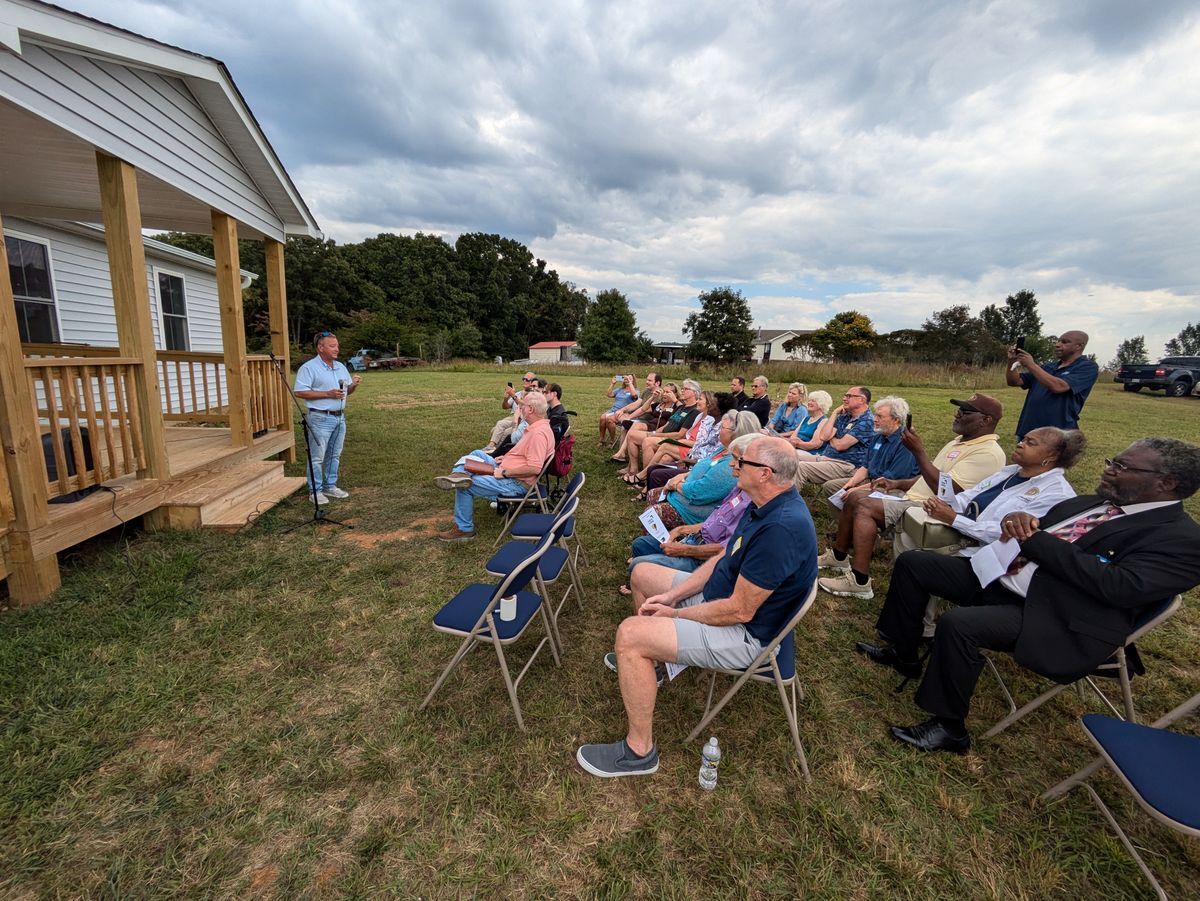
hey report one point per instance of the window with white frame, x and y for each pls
(33, 289)
(173, 304)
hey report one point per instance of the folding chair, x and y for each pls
(1160, 769)
(768, 666)
(554, 560)
(532, 526)
(1119, 667)
(474, 614)
(509, 507)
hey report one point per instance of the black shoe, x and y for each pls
(932, 735)
(886, 655)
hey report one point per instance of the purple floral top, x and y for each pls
(723, 520)
(708, 441)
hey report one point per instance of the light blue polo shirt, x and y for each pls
(316, 375)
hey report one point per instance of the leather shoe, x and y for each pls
(885, 655)
(932, 735)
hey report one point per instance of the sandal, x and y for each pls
(624, 589)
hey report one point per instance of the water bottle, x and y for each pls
(710, 759)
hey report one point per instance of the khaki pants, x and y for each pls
(819, 469)
(503, 429)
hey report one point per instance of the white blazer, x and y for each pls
(1034, 497)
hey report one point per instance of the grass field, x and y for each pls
(202, 714)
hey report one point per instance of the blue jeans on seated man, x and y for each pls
(326, 435)
(481, 486)
(646, 549)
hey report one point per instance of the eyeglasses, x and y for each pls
(1118, 466)
(853, 395)
(529, 380)
(744, 462)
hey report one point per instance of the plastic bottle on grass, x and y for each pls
(710, 759)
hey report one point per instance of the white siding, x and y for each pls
(150, 120)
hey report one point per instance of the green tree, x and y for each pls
(1018, 318)
(720, 330)
(848, 337)
(1186, 343)
(610, 333)
(953, 335)
(1131, 350)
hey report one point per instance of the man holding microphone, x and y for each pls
(323, 383)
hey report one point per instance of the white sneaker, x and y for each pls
(321, 498)
(336, 492)
(489, 449)
(828, 561)
(846, 587)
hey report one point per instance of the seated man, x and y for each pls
(511, 400)
(556, 413)
(846, 433)
(887, 457)
(1086, 571)
(971, 457)
(720, 615)
(482, 475)
(759, 402)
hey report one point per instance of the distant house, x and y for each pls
(768, 345)
(554, 352)
(669, 352)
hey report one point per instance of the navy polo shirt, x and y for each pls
(1044, 407)
(888, 458)
(774, 547)
(862, 428)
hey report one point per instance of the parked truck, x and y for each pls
(1178, 376)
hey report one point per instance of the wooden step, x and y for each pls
(238, 516)
(217, 492)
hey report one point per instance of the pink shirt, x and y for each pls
(534, 449)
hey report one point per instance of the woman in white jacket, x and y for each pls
(1033, 483)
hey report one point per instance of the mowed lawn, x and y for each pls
(205, 714)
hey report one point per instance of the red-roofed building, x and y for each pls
(554, 352)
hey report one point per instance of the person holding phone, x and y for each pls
(623, 390)
(1057, 389)
(512, 402)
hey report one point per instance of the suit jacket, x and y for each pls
(1087, 597)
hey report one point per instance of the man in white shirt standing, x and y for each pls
(323, 383)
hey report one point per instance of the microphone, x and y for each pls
(345, 396)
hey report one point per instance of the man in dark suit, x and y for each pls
(1085, 572)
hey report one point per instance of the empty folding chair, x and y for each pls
(769, 666)
(474, 613)
(536, 495)
(555, 560)
(1160, 769)
(1118, 667)
(532, 526)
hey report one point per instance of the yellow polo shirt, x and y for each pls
(969, 462)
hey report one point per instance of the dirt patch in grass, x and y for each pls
(418, 528)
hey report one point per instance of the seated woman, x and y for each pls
(653, 412)
(689, 499)
(683, 414)
(790, 413)
(660, 449)
(1034, 482)
(706, 444)
(817, 404)
(623, 391)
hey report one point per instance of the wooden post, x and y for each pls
(233, 327)
(131, 301)
(277, 311)
(29, 580)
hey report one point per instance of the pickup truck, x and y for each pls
(1178, 376)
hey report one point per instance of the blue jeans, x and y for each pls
(481, 486)
(326, 434)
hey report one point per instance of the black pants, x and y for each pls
(984, 618)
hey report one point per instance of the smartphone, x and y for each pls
(908, 422)
(1021, 343)
(510, 384)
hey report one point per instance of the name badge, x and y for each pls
(953, 455)
(735, 502)
(1033, 492)
(737, 546)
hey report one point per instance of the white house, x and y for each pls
(768, 345)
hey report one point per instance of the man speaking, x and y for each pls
(323, 384)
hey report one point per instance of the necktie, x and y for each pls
(1072, 532)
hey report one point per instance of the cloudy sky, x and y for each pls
(894, 157)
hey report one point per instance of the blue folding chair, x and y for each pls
(1160, 769)
(532, 526)
(510, 506)
(771, 666)
(554, 561)
(474, 613)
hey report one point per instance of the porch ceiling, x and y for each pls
(48, 173)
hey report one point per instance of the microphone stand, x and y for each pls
(319, 518)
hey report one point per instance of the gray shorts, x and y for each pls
(893, 512)
(724, 647)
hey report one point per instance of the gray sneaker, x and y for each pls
(321, 498)
(610, 660)
(612, 760)
(336, 492)
(828, 561)
(453, 481)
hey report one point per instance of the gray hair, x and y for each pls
(823, 399)
(766, 384)
(898, 405)
(746, 423)
(739, 445)
(782, 459)
(537, 402)
(693, 385)
(1180, 461)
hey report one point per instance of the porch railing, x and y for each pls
(93, 393)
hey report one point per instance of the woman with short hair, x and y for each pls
(817, 404)
(790, 412)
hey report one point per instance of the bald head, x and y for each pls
(1070, 345)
